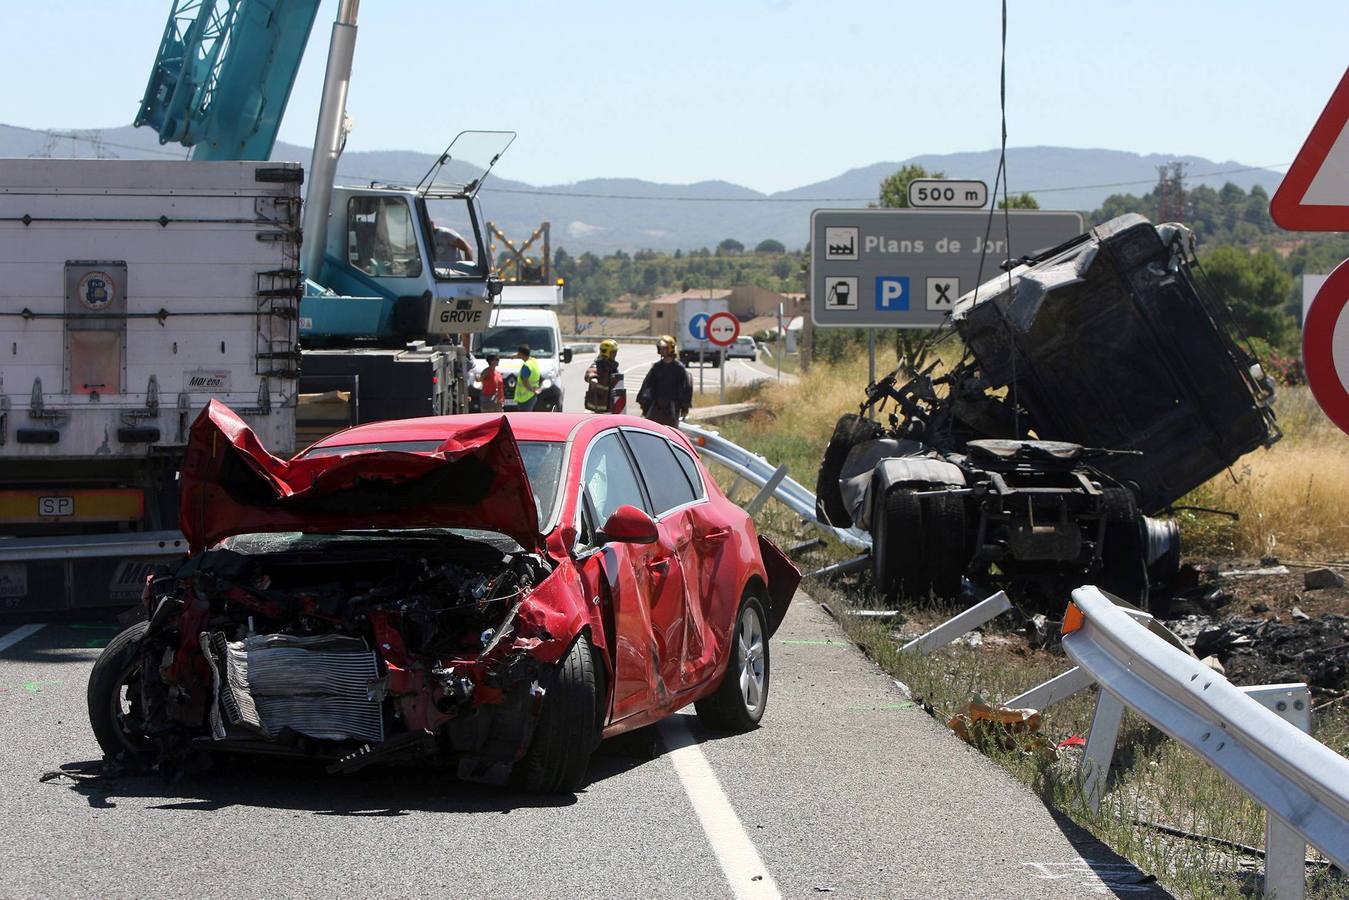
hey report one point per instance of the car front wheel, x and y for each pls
(739, 702)
(568, 727)
(114, 697)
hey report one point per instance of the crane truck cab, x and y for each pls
(387, 276)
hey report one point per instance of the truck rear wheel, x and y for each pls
(1124, 569)
(897, 546)
(947, 557)
(850, 431)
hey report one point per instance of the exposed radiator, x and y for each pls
(320, 686)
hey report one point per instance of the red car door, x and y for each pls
(678, 501)
(646, 586)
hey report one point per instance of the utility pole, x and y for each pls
(1171, 192)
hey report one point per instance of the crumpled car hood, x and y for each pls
(231, 485)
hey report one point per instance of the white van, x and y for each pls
(511, 327)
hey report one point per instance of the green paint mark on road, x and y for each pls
(33, 687)
(866, 708)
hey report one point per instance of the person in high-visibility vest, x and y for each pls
(527, 382)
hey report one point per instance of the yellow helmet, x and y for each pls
(609, 348)
(665, 344)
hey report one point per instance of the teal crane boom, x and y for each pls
(224, 73)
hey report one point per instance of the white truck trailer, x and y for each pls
(692, 319)
(131, 292)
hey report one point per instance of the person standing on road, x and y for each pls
(527, 382)
(602, 376)
(667, 390)
(493, 395)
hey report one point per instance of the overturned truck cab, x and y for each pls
(1101, 381)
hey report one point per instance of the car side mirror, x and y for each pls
(630, 525)
(494, 286)
(566, 354)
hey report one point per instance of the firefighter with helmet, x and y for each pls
(602, 377)
(667, 390)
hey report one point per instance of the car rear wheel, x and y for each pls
(568, 727)
(740, 700)
(114, 697)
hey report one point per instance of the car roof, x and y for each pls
(527, 426)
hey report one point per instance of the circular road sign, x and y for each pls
(698, 326)
(722, 329)
(1325, 346)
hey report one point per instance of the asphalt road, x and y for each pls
(846, 789)
(634, 361)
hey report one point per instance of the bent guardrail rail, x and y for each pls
(1302, 784)
(772, 481)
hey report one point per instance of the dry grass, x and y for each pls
(1291, 498)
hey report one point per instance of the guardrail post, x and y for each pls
(1060, 687)
(1100, 747)
(978, 614)
(766, 491)
(1285, 850)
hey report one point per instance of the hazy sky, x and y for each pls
(771, 94)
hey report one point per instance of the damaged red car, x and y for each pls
(494, 592)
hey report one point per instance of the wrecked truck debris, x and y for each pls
(1100, 382)
(493, 592)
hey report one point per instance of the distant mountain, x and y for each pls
(606, 214)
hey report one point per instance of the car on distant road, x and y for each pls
(501, 591)
(743, 348)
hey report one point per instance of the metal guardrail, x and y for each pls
(1302, 784)
(88, 546)
(772, 481)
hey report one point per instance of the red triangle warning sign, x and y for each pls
(1314, 195)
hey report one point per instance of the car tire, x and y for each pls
(947, 556)
(111, 715)
(898, 545)
(850, 430)
(739, 702)
(569, 725)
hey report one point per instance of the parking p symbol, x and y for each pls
(892, 293)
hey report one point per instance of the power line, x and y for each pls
(95, 141)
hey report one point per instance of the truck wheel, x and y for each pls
(947, 557)
(897, 544)
(740, 700)
(569, 726)
(850, 431)
(114, 697)
(1124, 570)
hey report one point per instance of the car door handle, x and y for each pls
(716, 536)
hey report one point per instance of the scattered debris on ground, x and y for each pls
(1275, 623)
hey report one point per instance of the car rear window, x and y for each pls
(666, 480)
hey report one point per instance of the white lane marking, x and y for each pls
(19, 634)
(744, 869)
